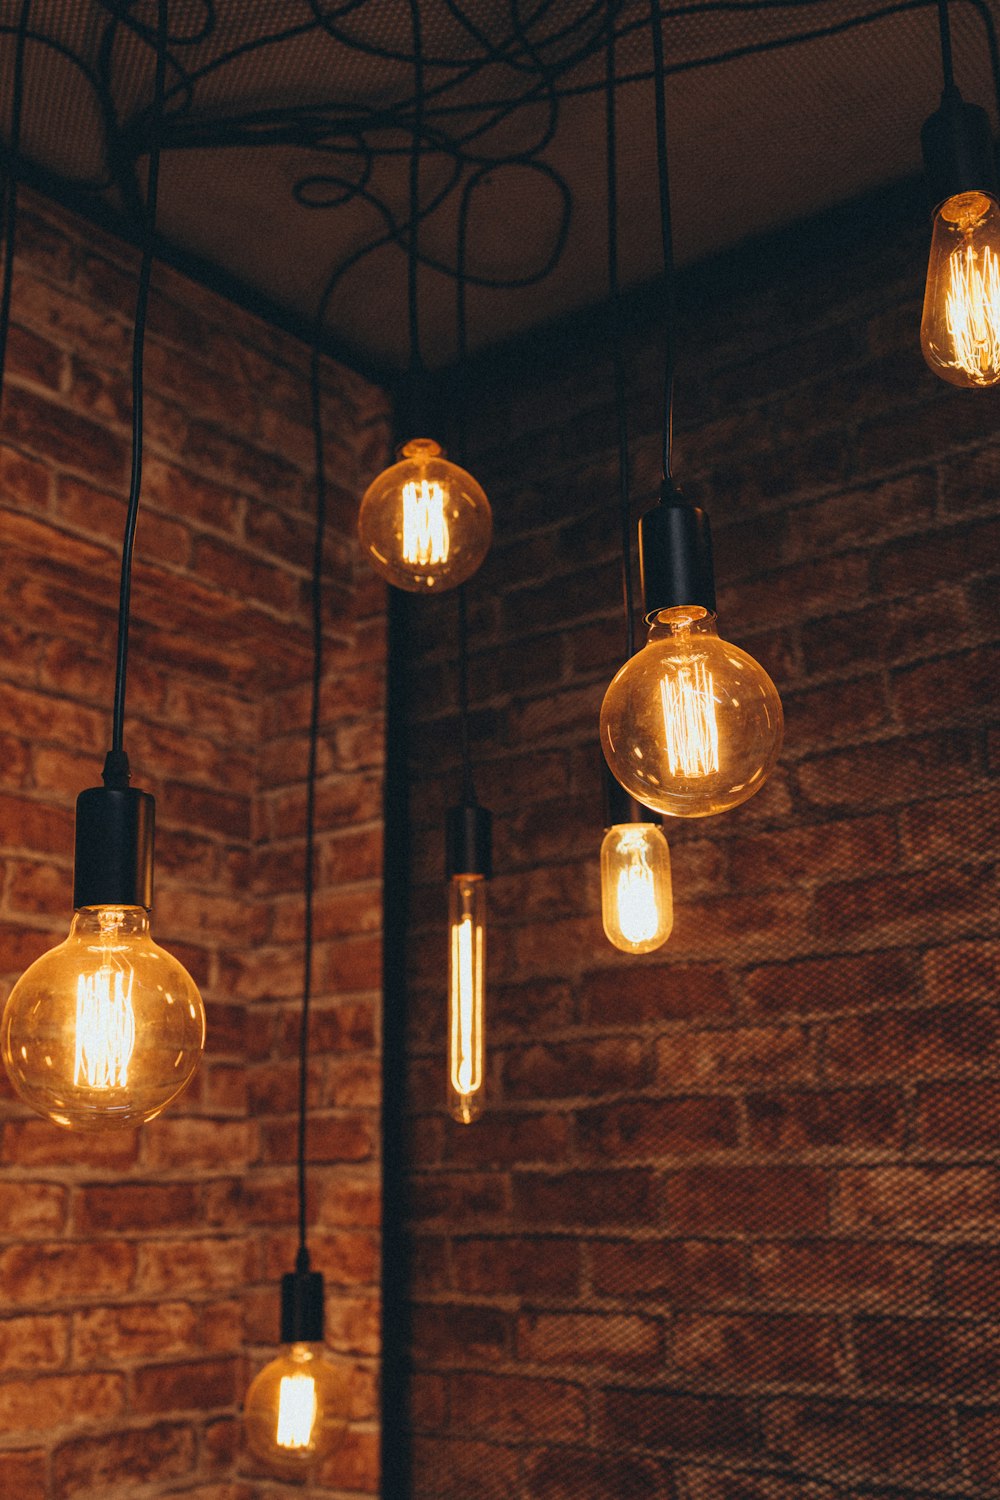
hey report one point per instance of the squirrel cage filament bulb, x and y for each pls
(960, 328)
(424, 522)
(296, 1410)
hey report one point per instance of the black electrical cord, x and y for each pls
(462, 352)
(617, 359)
(416, 376)
(944, 27)
(666, 231)
(10, 205)
(117, 766)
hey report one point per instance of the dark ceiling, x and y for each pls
(287, 143)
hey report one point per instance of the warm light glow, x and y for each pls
(424, 522)
(425, 528)
(636, 894)
(466, 972)
(297, 1409)
(960, 329)
(105, 1030)
(689, 723)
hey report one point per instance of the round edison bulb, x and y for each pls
(296, 1410)
(690, 725)
(425, 523)
(103, 1031)
(960, 328)
(637, 900)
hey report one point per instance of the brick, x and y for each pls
(558, 1071)
(41, 1273)
(679, 1272)
(703, 1059)
(832, 984)
(935, 1042)
(512, 1408)
(843, 1274)
(890, 631)
(567, 1473)
(748, 1199)
(963, 898)
(927, 1355)
(33, 1343)
(664, 992)
(926, 561)
(970, 1282)
(45, 1401)
(459, 1334)
(676, 1421)
(613, 1340)
(200, 1385)
(946, 689)
(126, 1208)
(454, 1466)
(656, 1128)
(134, 1331)
(891, 771)
(63, 436)
(829, 848)
(945, 1200)
(959, 1116)
(30, 1209)
(90, 1465)
(532, 1267)
(24, 1472)
(502, 1139)
(612, 1198)
(196, 1144)
(761, 1349)
(852, 1118)
(34, 1143)
(187, 1265)
(888, 1442)
(457, 1196)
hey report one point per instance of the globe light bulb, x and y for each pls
(296, 1410)
(466, 984)
(690, 725)
(637, 902)
(102, 1032)
(960, 328)
(424, 522)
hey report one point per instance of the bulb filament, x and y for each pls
(638, 910)
(692, 734)
(466, 1055)
(296, 1411)
(105, 1028)
(973, 311)
(425, 529)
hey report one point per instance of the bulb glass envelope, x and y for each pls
(637, 904)
(690, 725)
(424, 522)
(102, 1032)
(960, 327)
(296, 1410)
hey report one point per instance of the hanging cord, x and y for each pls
(462, 342)
(310, 855)
(17, 110)
(944, 27)
(614, 302)
(416, 370)
(117, 767)
(666, 230)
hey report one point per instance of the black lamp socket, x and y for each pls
(675, 555)
(302, 1311)
(469, 841)
(114, 847)
(958, 150)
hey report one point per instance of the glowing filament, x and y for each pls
(105, 1028)
(692, 734)
(297, 1409)
(973, 310)
(425, 528)
(466, 1054)
(638, 910)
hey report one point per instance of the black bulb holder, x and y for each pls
(675, 554)
(469, 840)
(958, 150)
(114, 841)
(302, 1310)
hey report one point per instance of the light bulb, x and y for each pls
(466, 982)
(102, 1032)
(296, 1409)
(960, 328)
(690, 725)
(637, 901)
(425, 523)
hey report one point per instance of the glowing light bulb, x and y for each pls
(960, 329)
(102, 1032)
(296, 1410)
(466, 982)
(637, 903)
(691, 725)
(424, 522)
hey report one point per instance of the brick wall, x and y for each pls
(729, 1227)
(139, 1272)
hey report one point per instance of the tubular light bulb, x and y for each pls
(296, 1410)
(466, 975)
(425, 523)
(637, 902)
(960, 328)
(102, 1032)
(691, 725)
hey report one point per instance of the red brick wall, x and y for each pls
(729, 1227)
(139, 1272)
